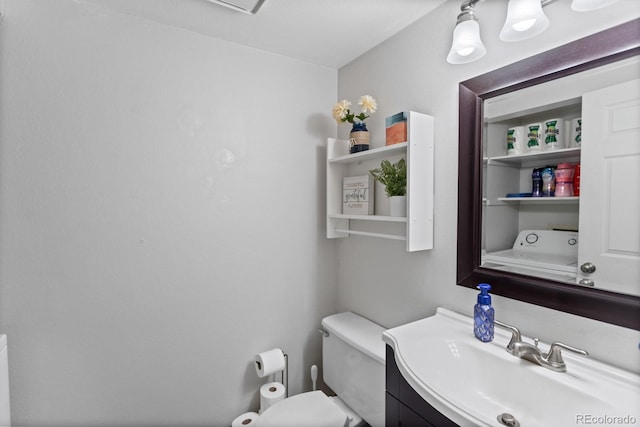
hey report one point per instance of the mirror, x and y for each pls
(607, 47)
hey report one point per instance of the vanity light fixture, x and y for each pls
(466, 46)
(525, 19)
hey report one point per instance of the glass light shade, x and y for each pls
(588, 5)
(466, 46)
(525, 19)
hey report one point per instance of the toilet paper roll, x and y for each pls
(246, 419)
(534, 132)
(269, 362)
(553, 137)
(270, 394)
(576, 133)
(515, 140)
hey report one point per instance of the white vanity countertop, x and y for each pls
(472, 382)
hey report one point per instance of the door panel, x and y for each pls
(610, 188)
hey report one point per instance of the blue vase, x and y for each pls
(359, 138)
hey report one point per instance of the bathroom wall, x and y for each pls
(377, 278)
(162, 209)
(161, 218)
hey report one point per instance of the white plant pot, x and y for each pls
(398, 205)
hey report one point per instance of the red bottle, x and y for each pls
(576, 181)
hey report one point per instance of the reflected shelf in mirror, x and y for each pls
(533, 159)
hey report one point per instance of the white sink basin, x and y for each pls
(472, 382)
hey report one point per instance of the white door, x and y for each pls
(610, 189)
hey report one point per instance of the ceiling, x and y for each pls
(325, 32)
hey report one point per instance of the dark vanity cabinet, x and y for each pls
(404, 407)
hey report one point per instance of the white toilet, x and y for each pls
(353, 361)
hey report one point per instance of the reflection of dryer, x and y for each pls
(542, 251)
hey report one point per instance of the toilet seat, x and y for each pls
(313, 408)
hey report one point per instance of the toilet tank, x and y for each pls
(353, 361)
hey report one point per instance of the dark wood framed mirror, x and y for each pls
(615, 44)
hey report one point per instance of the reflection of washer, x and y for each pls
(543, 251)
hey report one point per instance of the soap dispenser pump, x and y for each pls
(483, 314)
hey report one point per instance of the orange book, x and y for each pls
(396, 128)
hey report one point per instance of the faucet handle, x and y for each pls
(515, 334)
(555, 353)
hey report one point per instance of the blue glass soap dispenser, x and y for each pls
(483, 314)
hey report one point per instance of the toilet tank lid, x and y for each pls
(359, 332)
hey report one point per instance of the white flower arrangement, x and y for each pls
(342, 110)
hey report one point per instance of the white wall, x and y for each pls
(162, 204)
(161, 218)
(377, 279)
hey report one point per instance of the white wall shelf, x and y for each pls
(374, 153)
(369, 234)
(419, 154)
(381, 218)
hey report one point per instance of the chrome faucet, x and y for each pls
(552, 360)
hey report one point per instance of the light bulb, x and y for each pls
(466, 51)
(524, 25)
(525, 19)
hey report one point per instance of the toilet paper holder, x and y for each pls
(284, 379)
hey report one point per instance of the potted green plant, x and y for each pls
(394, 178)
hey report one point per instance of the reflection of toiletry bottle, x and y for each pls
(552, 132)
(564, 180)
(548, 182)
(577, 136)
(534, 137)
(483, 314)
(511, 139)
(576, 181)
(536, 177)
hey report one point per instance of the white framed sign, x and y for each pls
(357, 195)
